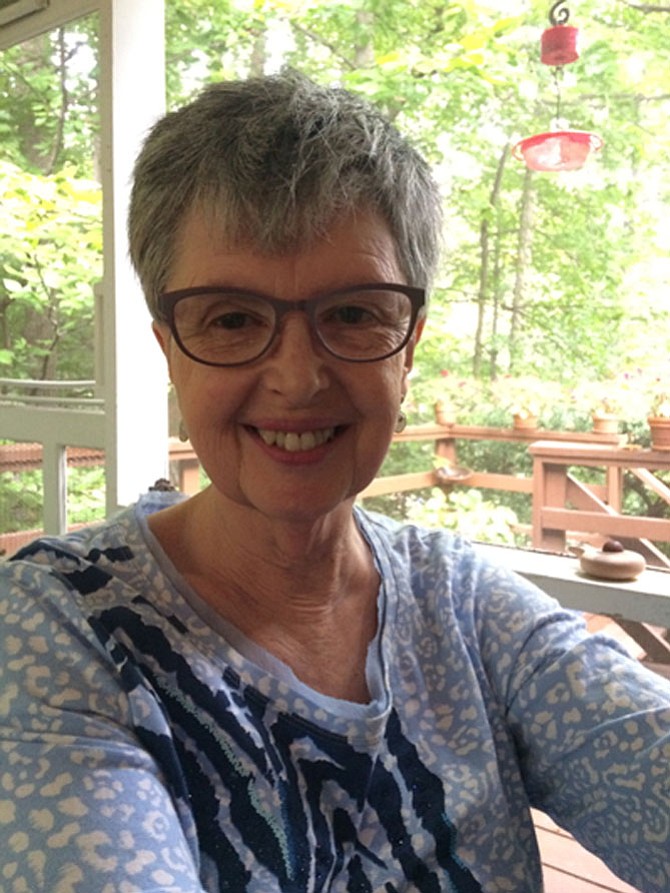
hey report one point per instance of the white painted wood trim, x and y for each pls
(71, 427)
(57, 13)
(132, 97)
(646, 599)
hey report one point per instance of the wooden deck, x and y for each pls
(568, 867)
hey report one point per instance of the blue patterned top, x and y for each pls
(145, 745)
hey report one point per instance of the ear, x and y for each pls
(409, 353)
(162, 335)
(414, 340)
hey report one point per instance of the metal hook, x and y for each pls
(559, 16)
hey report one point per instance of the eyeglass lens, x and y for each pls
(230, 328)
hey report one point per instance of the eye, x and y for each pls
(371, 309)
(350, 314)
(231, 319)
(221, 314)
(233, 312)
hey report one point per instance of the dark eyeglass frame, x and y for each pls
(167, 302)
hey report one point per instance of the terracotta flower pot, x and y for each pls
(659, 427)
(604, 424)
(444, 415)
(524, 421)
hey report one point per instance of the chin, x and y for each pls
(297, 509)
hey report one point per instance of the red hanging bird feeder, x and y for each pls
(558, 150)
(558, 45)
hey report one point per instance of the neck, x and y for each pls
(234, 547)
(305, 592)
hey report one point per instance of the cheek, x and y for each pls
(382, 394)
(182, 382)
(394, 381)
(200, 393)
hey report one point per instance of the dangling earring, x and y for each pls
(401, 422)
(183, 433)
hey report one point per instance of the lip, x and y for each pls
(296, 456)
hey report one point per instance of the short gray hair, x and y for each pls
(276, 161)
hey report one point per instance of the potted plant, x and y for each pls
(605, 417)
(528, 399)
(659, 421)
(452, 396)
(525, 416)
(444, 413)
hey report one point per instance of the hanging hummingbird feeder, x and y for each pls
(559, 149)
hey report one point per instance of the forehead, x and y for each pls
(356, 248)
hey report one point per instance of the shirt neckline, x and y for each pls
(257, 660)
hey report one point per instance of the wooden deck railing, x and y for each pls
(446, 437)
(560, 503)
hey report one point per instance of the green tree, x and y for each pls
(531, 259)
(553, 276)
(51, 253)
(49, 260)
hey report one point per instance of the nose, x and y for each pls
(295, 366)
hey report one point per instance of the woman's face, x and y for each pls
(296, 433)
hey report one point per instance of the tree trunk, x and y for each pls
(482, 295)
(497, 268)
(57, 141)
(258, 53)
(497, 299)
(484, 267)
(523, 259)
(364, 54)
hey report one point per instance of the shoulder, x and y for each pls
(440, 580)
(81, 563)
(434, 558)
(62, 598)
(412, 543)
(79, 560)
(113, 539)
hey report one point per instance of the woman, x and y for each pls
(263, 688)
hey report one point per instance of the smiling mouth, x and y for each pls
(296, 442)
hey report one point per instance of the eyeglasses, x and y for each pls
(233, 326)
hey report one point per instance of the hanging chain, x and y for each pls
(557, 74)
(558, 16)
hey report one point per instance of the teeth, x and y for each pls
(293, 442)
(269, 437)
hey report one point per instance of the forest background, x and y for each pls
(553, 292)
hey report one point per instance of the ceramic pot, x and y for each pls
(444, 415)
(605, 424)
(524, 422)
(659, 427)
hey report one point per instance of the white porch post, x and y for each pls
(132, 60)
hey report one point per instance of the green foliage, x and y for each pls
(465, 81)
(85, 495)
(49, 260)
(48, 116)
(545, 277)
(21, 499)
(466, 512)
